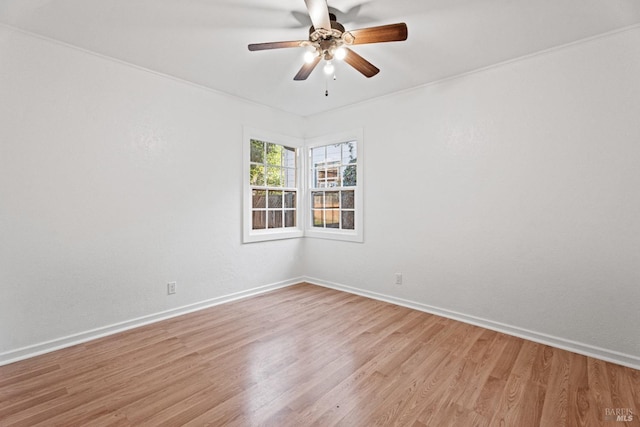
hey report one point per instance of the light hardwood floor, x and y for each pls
(306, 355)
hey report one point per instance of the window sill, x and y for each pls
(346, 236)
(267, 235)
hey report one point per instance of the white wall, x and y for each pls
(113, 182)
(511, 194)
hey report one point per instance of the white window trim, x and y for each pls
(248, 234)
(356, 235)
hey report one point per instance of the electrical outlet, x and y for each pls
(398, 278)
(171, 288)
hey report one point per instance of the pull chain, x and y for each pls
(326, 85)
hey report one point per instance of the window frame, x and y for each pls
(357, 234)
(250, 235)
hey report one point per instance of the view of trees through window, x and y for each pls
(272, 176)
(333, 180)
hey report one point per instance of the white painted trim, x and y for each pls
(83, 337)
(356, 235)
(248, 234)
(612, 356)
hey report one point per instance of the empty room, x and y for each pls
(319, 213)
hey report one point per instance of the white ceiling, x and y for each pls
(205, 41)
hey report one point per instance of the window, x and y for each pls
(335, 190)
(295, 188)
(272, 175)
(272, 187)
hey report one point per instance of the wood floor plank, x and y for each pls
(307, 355)
(469, 398)
(622, 395)
(481, 345)
(506, 361)
(599, 386)
(582, 407)
(523, 364)
(506, 413)
(633, 377)
(489, 396)
(556, 404)
(24, 402)
(409, 350)
(448, 398)
(401, 368)
(396, 408)
(530, 411)
(341, 399)
(329, 364)
(542, 365)
(277, 386)
(433, 391)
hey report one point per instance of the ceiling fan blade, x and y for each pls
(319, 13)
(384, 33)
(274, 45)
(360, 64)
(307, 69)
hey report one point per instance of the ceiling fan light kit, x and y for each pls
(328, 40)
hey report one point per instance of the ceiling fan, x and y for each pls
(329, 40)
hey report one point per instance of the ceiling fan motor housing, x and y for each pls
(325, 41)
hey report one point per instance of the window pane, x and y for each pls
(275, 199)
(318, 199)
(257, 151)
(289, 157)
(332, 177)
(258, 220)
(256, 175)
(274, 177)
(274, 154)
(259, 199)
(334, 153)
(317, 156)
(320, 178)
(332, 218)
(275, 219)
(349, 154)
(318, 218)
(289, 177)
(348, 200)
(348, 220)
(290, 199)
(349, 176)
(289, 218)
(331, 199)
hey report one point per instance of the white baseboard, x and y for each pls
(612, 356)
(82, 337)
(565, 344)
